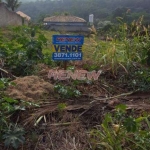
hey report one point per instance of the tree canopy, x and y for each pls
(102, 9)
(13, 4)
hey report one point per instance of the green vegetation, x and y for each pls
(124, 58)
(13, 4)
(67, 92)
(10, 131)
(127, 44)
(120, 131)
(22, 50)
(12, 134)
(103, 10)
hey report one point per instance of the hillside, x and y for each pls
(102, 10)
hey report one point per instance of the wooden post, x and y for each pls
(65, 65)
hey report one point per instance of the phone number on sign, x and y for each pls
(67, 56)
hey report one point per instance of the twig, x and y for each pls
(85, 111)
(7, 73)
(51, 141)
(124, 68)
(63, 124)
(36, 145)
(108, 98)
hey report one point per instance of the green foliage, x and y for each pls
(61, 106)
(120, 12)
(130, 124)
(23, 50)
(118, 133)
(140, 80)
(129, 44)
(4, 82)
(13, 4)
(14, 136)
(102, 9)
(66, 91)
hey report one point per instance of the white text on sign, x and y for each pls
(68, 48)
(76, 75)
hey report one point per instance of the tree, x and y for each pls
(13, 4)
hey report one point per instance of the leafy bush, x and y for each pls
(66, 91)
(120, 131)
(14, 136)
(141, 80)
(23, 49)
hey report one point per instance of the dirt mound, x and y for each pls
(30, 88)
(43, 71)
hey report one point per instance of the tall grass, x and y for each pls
(130, 45)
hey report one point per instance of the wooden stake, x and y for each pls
(65, 65)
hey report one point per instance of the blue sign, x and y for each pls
(67, 47)
(67, 56)
(68, 39)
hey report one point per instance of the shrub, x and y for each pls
(119, 131)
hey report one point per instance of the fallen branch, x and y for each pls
(7, 73)
(85, 111)
(62, 124)
(108, 98)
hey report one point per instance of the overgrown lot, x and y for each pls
(111, 113)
